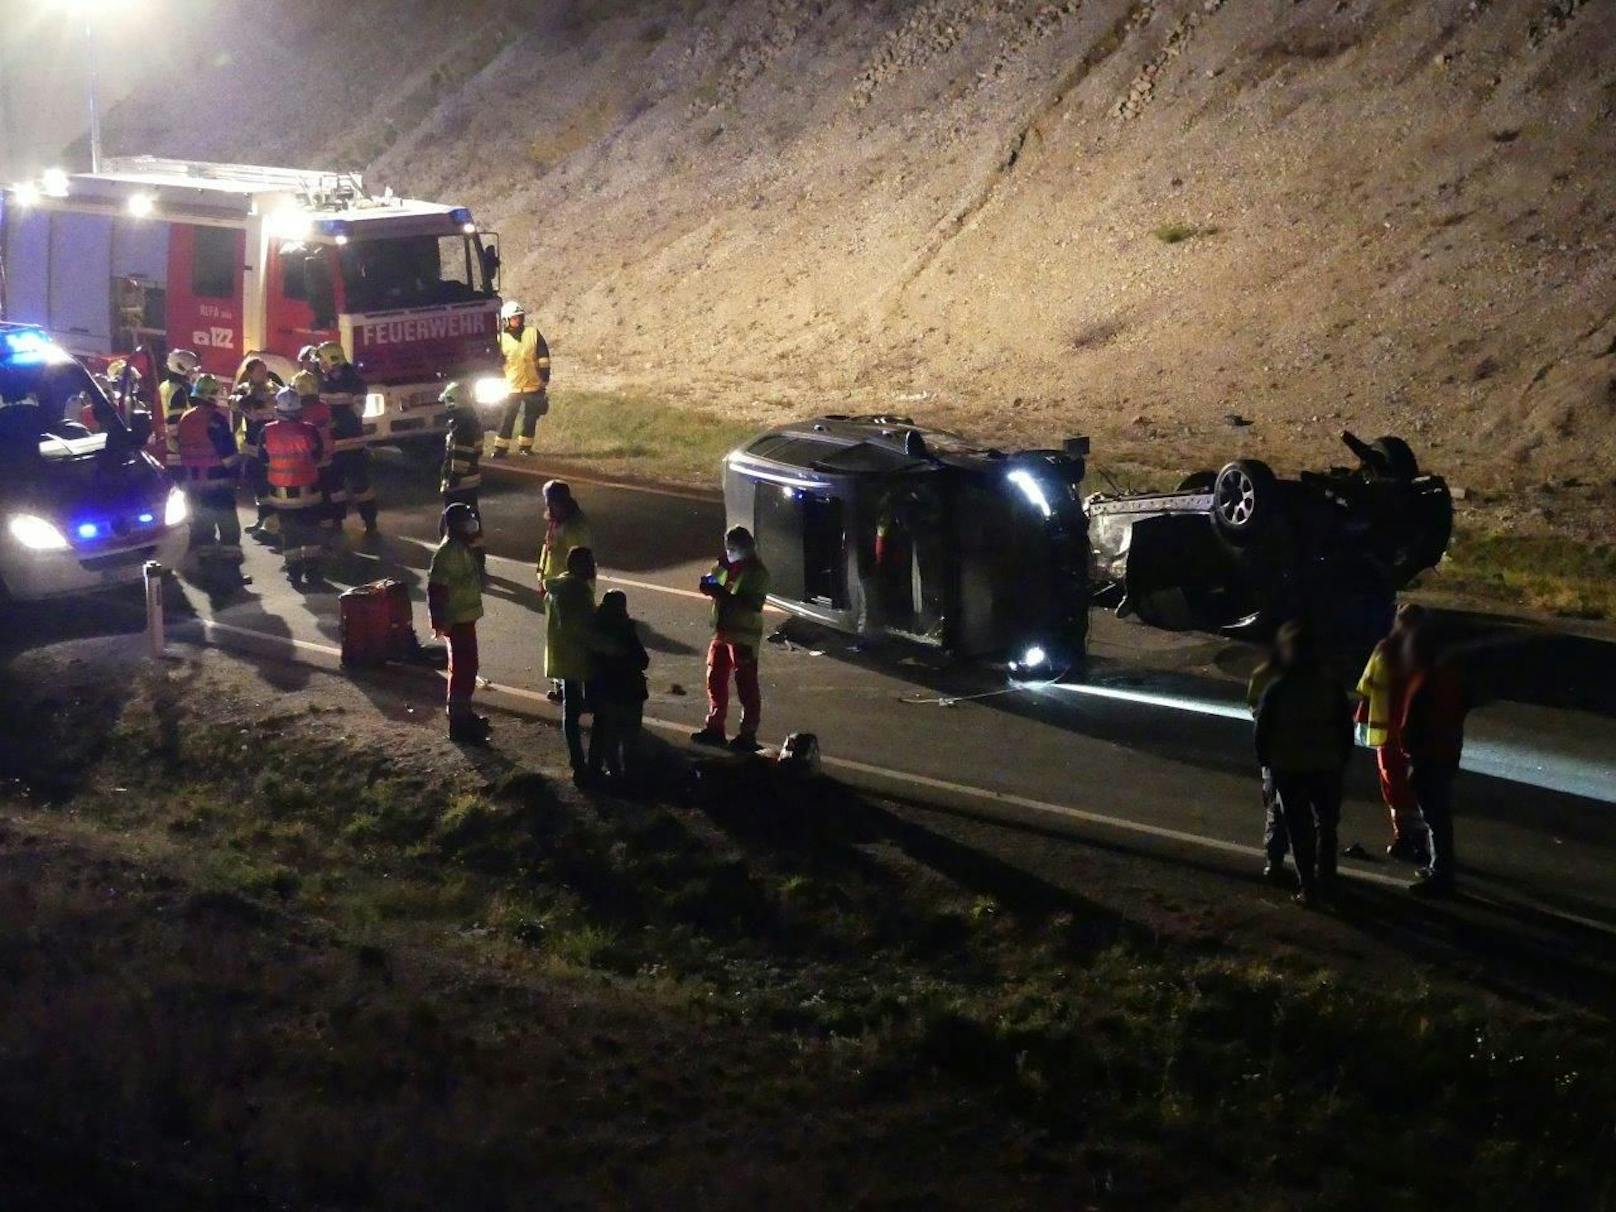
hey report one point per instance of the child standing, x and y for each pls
(617, 692)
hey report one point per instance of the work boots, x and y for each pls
(467, 728)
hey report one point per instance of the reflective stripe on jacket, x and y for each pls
(455, 568)
(347, 432)
(738, 618)
(174, 397)
(344, 386)
(462, 452)
(292, 450)
(1382, 688)
(527, 359)
(207, 448)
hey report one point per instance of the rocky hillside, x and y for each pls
(1139, 219)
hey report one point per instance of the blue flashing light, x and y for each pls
(146, 519)
(88, 530)
(335, 227)
(27, 345)
(461, 214)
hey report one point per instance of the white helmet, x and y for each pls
(510, 309)
(288, 403)
(183, 362)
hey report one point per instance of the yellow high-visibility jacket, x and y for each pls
(1383, 687)
(738, 618)
(527, 360)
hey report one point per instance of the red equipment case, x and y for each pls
(376, 623)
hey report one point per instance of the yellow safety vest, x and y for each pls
(526, 357)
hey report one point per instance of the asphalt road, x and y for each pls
(1153, 754)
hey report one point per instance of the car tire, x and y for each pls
(1397, 459)
(1244, 497)
(1198, 481)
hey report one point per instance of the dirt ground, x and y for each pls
(272, 941)
(1193, 229)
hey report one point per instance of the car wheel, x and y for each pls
(1395, 457)
(1243, 497)
(1198, 481)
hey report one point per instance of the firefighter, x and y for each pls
(308, 359)
(527, 374)
(344, 393)
(209, 466)
(738, 585)
(290, 448)
(462, 463)
(174, 397)
(565, 527)
(253, 403)
(317, 412)
(455, 602)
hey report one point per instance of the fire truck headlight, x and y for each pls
(176, 509)
(491, 391)
(375, 405)
(36, 533)
(141, 205)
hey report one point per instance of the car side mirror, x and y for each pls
(490, 266)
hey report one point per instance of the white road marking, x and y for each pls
(927, 782)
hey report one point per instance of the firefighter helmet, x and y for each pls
(509, 310)
(305, 384)
(306, 355)
(118, 367)
(449, 397)
(459, 519)
(183, 362)
(288, 403)
(330, 355)
(206, 387)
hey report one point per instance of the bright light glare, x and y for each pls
(469, 228)
(177, 509)
(87, 530)
(36, 534)
(141, 205)
(375, 404)
(1031, 489)
(289, 223)
(1034, 657)
(53, 181)
(491, 391)
(25, 193)
(341, 240)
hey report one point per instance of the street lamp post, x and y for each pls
(90, 64)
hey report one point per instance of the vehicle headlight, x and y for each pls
(375, 405)
(177, 508)
(36, 533)
(491, 391)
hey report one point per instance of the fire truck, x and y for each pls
(236, 260)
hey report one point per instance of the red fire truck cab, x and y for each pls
(235, 260)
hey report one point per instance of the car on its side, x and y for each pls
(82, 505)
(878, 527)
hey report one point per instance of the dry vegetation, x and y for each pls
(257, 957)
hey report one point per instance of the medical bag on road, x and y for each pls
(376, 624)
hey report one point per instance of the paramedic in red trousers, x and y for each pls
(1433, 741)
(291, 451)
(173, 398)
(210, 466)
(454, 595)
(527, 374)
(344, 391)
(738, 586)
(1383, 694)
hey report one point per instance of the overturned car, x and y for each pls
(877, 527)
(1240, 549)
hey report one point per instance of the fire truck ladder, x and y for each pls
(321, 190)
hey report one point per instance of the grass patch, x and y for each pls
(1544, 572)
(636, 436)
(1062, 1042)
(1177, 233)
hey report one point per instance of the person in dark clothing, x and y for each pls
(1432, 737)
(1304, 738)
(617, 691)
(1276, 843)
